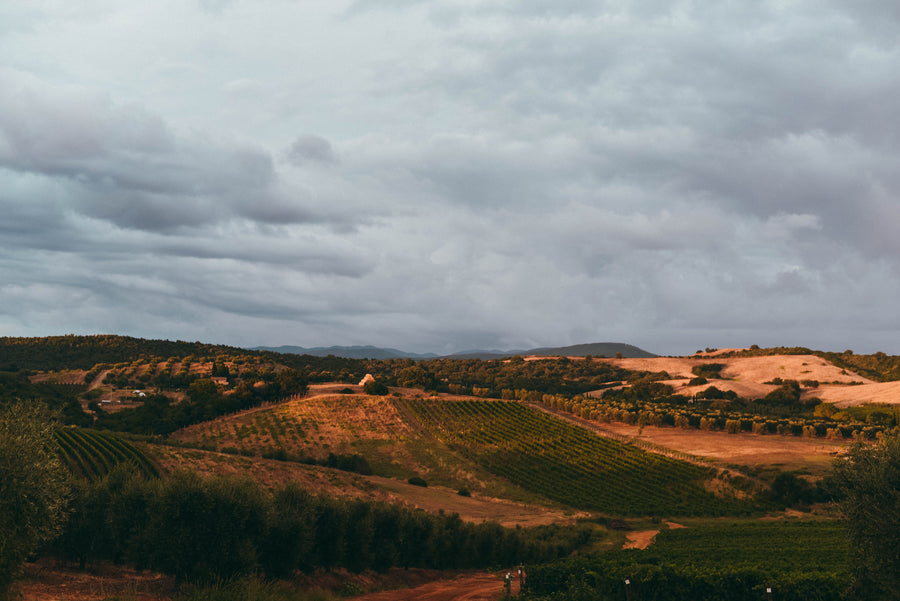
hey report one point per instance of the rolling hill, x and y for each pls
(596, 349)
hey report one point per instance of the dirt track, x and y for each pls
(468, 587)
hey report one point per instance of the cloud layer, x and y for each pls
(453, 174)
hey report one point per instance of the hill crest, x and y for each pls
(595, 349)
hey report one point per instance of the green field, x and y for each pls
(92, 453)
(713, 560)
(569, 464)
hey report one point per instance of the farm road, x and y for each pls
(467, 587)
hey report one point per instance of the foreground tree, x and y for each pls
(33, 487)
(868, 483)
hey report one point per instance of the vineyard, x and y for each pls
(712, 417)
(733, 561)
(92, 454)
(568, 464)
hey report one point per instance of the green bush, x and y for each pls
(375, 388)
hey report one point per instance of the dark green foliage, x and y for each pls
(417, 481)
(789, 490)
(490, 378)
(642, 390)
(348, 463)
(708, 370)
(867, 482)
(788, 393)
(53, 353)
(570, 464)
(212, 528)
(375, 388)
(712, 393)
(61, 398)
(33, 486)
(879, 366)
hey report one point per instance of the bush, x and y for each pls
(417, 481)
(375, 388)
(708, 370)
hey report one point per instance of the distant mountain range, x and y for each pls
(596, 349)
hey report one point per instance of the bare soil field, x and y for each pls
(849, 396)
(784, 452)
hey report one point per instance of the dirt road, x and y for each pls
(467, 587)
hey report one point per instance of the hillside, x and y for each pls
(748, 376)
(523, 441)
(323, 423)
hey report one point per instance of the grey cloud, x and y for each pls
(123, 165)
(508, 174)
(310, 148)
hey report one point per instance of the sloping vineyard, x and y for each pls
(569, 464)
(92, 453)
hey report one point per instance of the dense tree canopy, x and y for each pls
(868, 480)
(33, 486)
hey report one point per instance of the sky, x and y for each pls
(447, 175)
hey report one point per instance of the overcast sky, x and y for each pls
(453, 174)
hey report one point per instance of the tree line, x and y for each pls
(218, 527)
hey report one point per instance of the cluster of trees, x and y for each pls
(712, 411)
(490, 378)
(157, 415)
(53, 353)
(63, 399)
(210, 528)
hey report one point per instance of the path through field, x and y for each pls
(467, 587)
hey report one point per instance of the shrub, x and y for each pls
(417, 481)
(708, 370)
(375, 388)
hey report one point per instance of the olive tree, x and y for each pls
(33, 486)
(867, 481)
